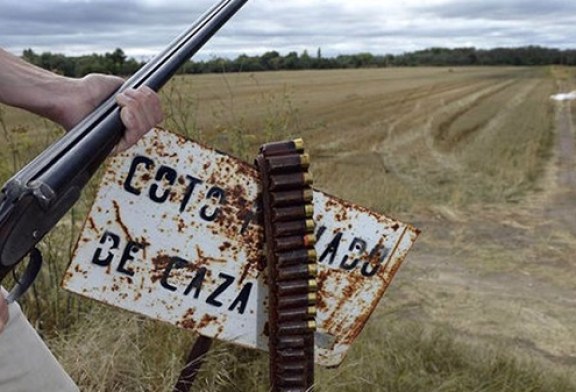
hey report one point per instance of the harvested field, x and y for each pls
(417, 136)
(478, 158)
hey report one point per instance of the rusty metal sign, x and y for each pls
(174, 235)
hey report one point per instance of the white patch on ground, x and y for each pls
(564, 96)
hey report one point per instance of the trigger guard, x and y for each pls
(24, 283)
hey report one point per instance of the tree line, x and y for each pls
(118, 63)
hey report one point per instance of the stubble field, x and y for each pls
(480, 159)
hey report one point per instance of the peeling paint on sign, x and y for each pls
(174, 235)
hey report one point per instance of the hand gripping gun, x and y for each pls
(37, 197)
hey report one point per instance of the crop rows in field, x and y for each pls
(392, 138)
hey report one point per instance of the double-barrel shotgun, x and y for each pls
(39, 195)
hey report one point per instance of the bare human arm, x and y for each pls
(66, 101)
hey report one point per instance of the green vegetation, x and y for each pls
(118, 64)
(115, 63)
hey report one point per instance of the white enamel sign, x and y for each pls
(174, 235)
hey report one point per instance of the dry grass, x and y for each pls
(401, 141)
(393, 138)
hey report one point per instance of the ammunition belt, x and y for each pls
(291, 261)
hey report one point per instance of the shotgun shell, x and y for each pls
(310, 224)
(312, 325)
(284, 244)
(288, 163)
(292, 354)
(309, 240)
(297, 300)
(313, 270)
(300, 256)
(286, 198)
(292, 213)
(297, 327)
(312, 285)
(292, 382)
(310, 359)
(288, 243)
(301, 286)
(301, 271)
(299, 227)
(284, 214)
(298, 144)
(291, 367)
(296, 313)
(294, 341)
(309, 210)
(279, 148)
(284, 182)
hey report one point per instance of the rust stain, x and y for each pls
(91, 222)
(244, 273)
(173, 197)
(67, 277)
(181, 225)
(119, 220)
(206, 320)
(321, 280)
(383, 272)
(219, 332)
(225, 246)
(159, 264)
(188, 321)
(205, 261)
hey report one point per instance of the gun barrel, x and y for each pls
(186, 45)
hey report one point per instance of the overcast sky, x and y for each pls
(143, 27)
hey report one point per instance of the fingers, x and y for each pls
(4, 315)
(141, 111)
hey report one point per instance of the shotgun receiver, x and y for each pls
(37, 197)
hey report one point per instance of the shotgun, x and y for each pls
(37, 197)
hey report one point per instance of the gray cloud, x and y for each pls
(509, 10)
(93, 24)
(143, 27)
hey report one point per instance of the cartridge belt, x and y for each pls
(291, 261)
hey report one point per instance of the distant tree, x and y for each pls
(249, 64)
(115, 61)
(292, 61)
(271, 60)
(305, 60)
(30, 56)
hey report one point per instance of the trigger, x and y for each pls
(23, 284)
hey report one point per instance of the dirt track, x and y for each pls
(503, 274)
